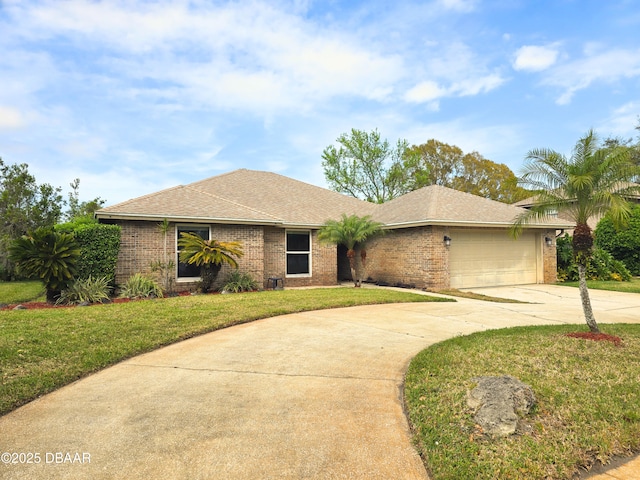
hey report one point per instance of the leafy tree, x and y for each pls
(24, 206)
(366, 167)
(208, 254)
(601, 266)
(592, 182)
(623, 244)
(441, 163)
(76, 208)
(352, 232)
(49, 256)
(449, 166)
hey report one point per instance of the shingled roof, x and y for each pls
(255, 197)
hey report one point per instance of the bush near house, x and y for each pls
(601, 266)
(99, 247)
(623, 244)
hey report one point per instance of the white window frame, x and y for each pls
(184, 227)
(294, 252)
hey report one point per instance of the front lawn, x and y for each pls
(23, 291)
(631, 287)
(587, 409)
(42, 350)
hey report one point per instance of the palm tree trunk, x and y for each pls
(586, 301)
(351, 255)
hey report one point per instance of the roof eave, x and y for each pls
(471, 223)
(181, 218)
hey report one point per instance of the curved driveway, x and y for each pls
(314, 395)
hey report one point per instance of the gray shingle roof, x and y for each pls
(249, 196)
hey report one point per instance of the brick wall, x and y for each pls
(410, 256)
(324, 263)
(549, 258)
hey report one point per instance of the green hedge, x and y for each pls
(99, 247)
(623, 243)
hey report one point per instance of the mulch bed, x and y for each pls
(597, 337)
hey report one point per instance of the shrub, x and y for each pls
(623, 244)
(239, 282)
(99, 245)
(139, 286)
(601, 265)
(49, 256)
(86, 290)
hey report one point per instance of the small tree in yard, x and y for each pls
(352, 232)
(210, 255)
(594, 181)
(49, 256)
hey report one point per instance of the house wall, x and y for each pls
(410, 256)
(549, 258)
(324, 263)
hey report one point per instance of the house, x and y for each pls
(437, 237)
(592, 222)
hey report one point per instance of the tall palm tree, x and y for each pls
(592, 182)
(47, 255)
(208, 254)
(352, 232)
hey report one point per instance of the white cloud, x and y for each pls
(603, 66)
(535, 58)
(463, 6)
(241, 55)
(11, 118)
(425, 92)
(622, 121)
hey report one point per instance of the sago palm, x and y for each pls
(352, 232)
(48, 256)
(592, 182)
(210, 255)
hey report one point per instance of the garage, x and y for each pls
(481, 258)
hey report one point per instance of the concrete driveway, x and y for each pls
(314, 395)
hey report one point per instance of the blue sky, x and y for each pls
(133, 97)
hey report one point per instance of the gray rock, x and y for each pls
(498, 402)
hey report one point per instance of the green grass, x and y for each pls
(18, 292)
(587, 407)
(42, 350)
(630, 287)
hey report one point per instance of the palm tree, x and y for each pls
(47, 255)
(592, 182)
(208, 254)
(352, 232)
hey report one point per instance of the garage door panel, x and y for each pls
(478, 259)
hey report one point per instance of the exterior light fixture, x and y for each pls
(548, 241)
(447, 240)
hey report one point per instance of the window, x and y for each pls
(298, 253)
(186, 270)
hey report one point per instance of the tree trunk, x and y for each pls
(351, 255)
(586, 301)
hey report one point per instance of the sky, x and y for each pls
(132, 97)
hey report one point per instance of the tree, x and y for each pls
(439, 162)
(366, 167)
(352, 232)
(76, 208)
(208, 254)
(24, 206)
(49, 256)
(449, 166)
(592, 182)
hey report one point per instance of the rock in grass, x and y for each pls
(498, 402)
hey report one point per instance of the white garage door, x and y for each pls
(490, 258)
